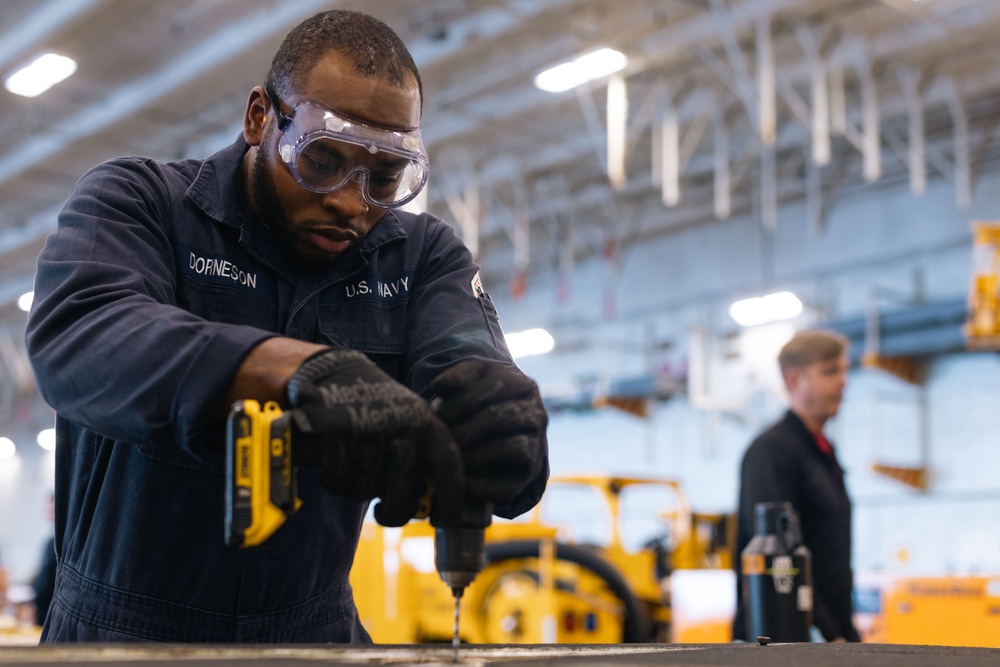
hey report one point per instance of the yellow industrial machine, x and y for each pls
(943, 611)
(983, 327)
(589, 564)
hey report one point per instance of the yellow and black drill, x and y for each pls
(260, 475)
(261, 493)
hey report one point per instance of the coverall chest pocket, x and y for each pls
(377, 329)
(226, 304)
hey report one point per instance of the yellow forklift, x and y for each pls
(590, 564)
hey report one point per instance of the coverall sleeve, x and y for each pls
(110, 348)
(452, 318)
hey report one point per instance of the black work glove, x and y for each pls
(497, 417)
(373, 437)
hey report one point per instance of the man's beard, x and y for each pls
(264, 195)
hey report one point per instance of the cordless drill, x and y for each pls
(261, 493)
(460, 553)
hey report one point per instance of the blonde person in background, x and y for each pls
(793, 461)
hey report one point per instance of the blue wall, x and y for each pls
(882, 242)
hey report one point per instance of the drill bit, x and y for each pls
(460, 554)
(455, 641)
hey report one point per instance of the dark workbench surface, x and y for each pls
(702, 655)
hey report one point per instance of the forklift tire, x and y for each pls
(636, 626)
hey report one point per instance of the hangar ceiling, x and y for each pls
(734, 106)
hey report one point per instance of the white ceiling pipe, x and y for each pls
(721, 187)
(670, 168)
(820, 116)
(963, 168)
(617, 129)
(871, 125)
(766, 96)
(910, 80)
(838, 100)
(768, 189)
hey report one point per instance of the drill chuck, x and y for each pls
(459, 551)
(459, 555)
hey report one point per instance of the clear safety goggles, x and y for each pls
(325, 151)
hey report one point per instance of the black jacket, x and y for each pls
(784, 464)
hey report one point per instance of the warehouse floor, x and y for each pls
(706, 655)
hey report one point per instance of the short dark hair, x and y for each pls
(808, 347)
(374, 48)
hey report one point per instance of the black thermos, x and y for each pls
(777, 577)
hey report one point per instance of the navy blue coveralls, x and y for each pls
(157, 284)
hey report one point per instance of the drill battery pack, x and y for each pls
(260, 478)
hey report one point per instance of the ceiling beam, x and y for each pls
(36, 28)
(237, 38)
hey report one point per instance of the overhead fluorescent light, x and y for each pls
(40, 74)
(589, 66)
(47, 439)
(763, 309)
(7, 448)
(24, 301)
(529, 343)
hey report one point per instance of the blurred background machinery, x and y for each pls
(983, 327)
(607, 560)
(593, 563)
